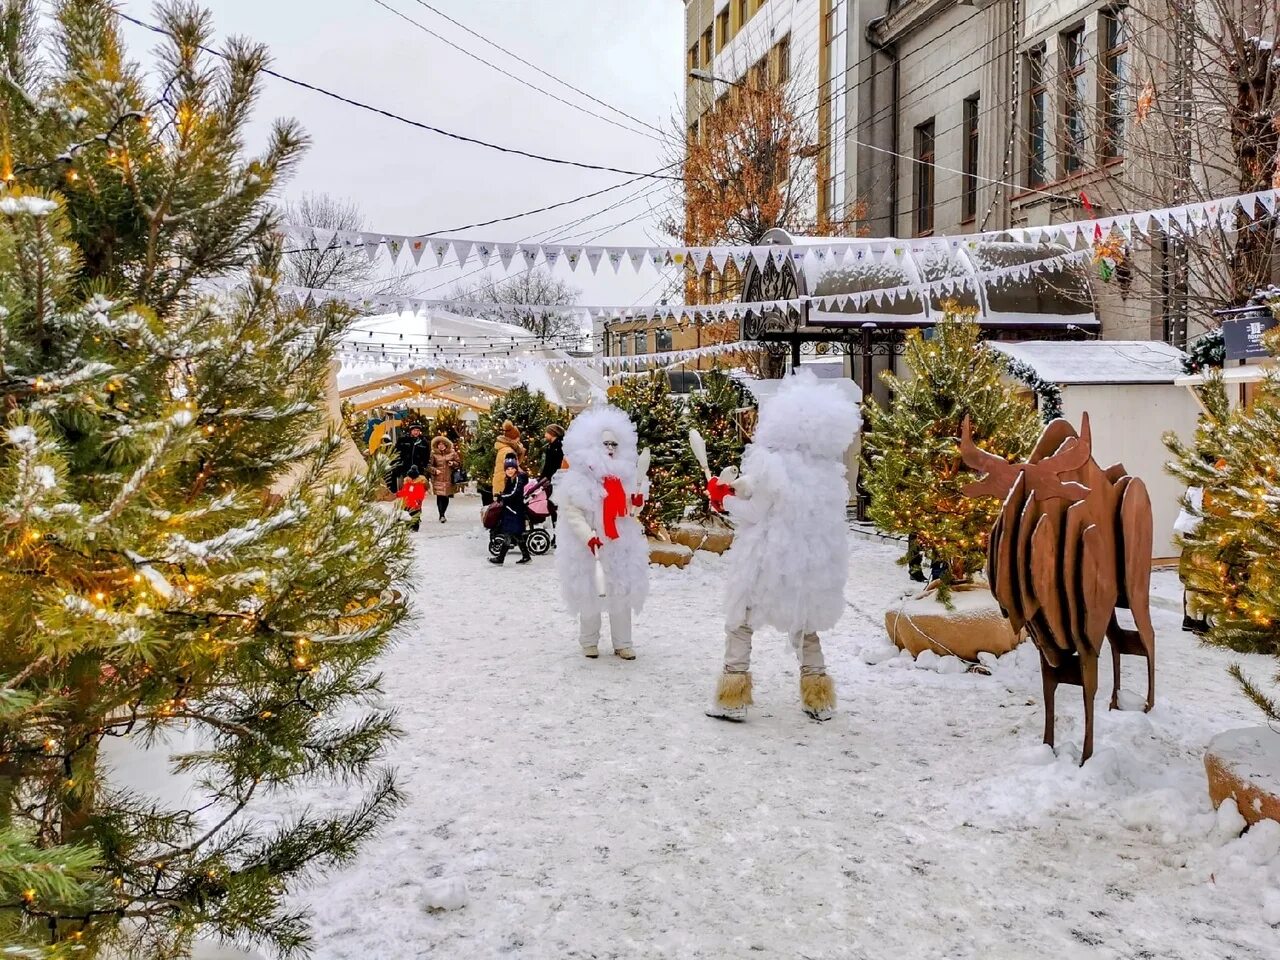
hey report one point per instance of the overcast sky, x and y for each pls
(628, 53)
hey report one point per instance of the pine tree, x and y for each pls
(531, 413)
(1229, 561)
(158, 576)
(711, 411)
(675, 479)
(913, 469)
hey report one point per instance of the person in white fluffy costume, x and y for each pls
(789, 559)
(604, 562)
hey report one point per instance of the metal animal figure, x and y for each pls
(1072, 544)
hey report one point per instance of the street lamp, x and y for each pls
(706, 76)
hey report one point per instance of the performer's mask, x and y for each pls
(610, 442)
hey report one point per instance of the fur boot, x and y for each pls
(733, 696)
(818, 695)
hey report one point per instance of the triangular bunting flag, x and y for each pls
(573, 256)
(593, 258)
(417, 247)
(462, 250)
(552, 255)
(483, 252)
(439, 248)
(637, 255)
(615, 258)
(530, 253)
(506, 252)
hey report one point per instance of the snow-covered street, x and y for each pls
(593, 811)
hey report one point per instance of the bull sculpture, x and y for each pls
(1071, 544)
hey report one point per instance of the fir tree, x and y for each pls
(711, 411)
(158, 574)
(913, 469)
(1229, 561)
(674, 475)
(531, 413)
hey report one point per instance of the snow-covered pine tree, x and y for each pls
(1229, 561)
(913, 469)
(711, 412)
(158, 579)
(674, 475)
(531, 412)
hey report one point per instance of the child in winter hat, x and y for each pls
(412, 492)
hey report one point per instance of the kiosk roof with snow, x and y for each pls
(1099, 361)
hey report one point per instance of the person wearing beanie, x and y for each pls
(506, 444)
(552, 463)
(515, 512)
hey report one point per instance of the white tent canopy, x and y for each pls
(477, 359)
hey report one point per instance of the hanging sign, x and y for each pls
(1242, 334)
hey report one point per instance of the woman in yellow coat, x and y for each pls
(508, 442)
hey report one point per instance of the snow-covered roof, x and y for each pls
(1099, 361)
(564, 385)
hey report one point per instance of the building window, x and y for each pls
(693, 57)
(924, 178)
(759, 73)
(706, 48)
(1115, 77)
(784, 59)
(969, 206)
(641, 338)
(622, 344)
(662, 341)
(693, 132)
(743, 13)
(1073, 99)
(1037, 118)
(722, 29)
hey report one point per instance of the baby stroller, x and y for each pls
(537, 538)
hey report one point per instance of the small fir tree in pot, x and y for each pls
(914, 473)
(1229, 561)
(674, 475)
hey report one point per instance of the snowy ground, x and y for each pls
(593, 811)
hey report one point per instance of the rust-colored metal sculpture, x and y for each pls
(1072, 544)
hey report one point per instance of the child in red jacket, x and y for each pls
(412, 492)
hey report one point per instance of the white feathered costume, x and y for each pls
(790, 555)
(598, 496)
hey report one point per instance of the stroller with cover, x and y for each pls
(538, 539)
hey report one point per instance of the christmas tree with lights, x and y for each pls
(162, 578)
(530, 412)
(712, 412)
(913, 469)
(1229, 560)
(675, 479)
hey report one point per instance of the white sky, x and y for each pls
(628, 53)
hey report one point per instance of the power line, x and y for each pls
(532, 86)
(515, 151)
(534, 66)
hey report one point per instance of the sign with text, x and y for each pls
(1242, 335)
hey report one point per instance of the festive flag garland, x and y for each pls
(1185, 220)
(732, 310)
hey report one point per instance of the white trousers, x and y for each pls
(737, 650)
(619, 625)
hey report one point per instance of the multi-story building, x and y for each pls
(980, 115)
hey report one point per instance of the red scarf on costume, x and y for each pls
(615, 506)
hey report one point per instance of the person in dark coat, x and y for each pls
(552, 461)
(412, 450)
(515, 513)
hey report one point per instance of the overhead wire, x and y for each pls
(506, 73)
(545, 73)
(514, 151)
